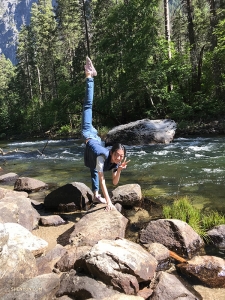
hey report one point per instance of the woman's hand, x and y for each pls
(110, 206)
(124, 164)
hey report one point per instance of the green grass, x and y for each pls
(182, 209)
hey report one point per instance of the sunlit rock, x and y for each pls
(207, 270)
(121, 264)
(18, 209)
(97, 224)
(29, 184)
(169, 287)
(127, 195)
(174, 234)
(142, 132)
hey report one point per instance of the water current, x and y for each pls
(193, 167)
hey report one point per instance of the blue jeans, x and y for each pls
(88, 131)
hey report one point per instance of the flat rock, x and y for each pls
(21, 237)
(207, 270)
(98, 224)
(29, 184)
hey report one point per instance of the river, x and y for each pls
(193, 167)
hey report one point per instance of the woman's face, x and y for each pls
(117, 156)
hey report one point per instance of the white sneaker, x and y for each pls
(99, 199)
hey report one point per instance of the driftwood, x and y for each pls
(177, 257)
(17, 151)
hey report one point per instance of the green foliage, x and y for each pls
(136, 76)
(182, 209)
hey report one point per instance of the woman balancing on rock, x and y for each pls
(98, 158)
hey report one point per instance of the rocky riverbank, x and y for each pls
(77, 250)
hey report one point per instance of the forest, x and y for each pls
(155, 59)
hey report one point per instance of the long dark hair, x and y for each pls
(118, 146)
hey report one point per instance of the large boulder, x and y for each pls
(174, 234)
(119, 263)
(98, 224)
(19, 236)
(67, 261)
(9, 193)
(127, 195)
(142, 132)
(80, 286)
(18, 209)
(207, 270)
(17, 263)
(43, 287)
(217, 236)
(169, 287)
(70, 197)
(8, 177)
(29, 184)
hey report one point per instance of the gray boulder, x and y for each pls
(80, 286)
(23, 238)
(70, 197)
(217, 236)
(8, 177)
(121, 264)
(52, 220)
(142, 132)
(207, 270)
(43, 287)
(46, 263)
(67, 261)
(128, 195)
(169, 287)
(9, 193)
(29, 184)
(18, 210)
(161, 254)
(174, 234)
(17, 263)
(98, 224)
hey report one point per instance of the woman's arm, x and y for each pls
(116, 175)
(110, 206)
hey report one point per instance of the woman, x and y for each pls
(97, 157)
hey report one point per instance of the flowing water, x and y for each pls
(193, 167)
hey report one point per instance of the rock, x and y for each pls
(142, 132)
(18, 210)
(169, 287)
(70, 197)
(21, 237)
(52, 220)
(67, 261)
(43, 287)
(217, 236)
(17, 263)
(82, 287)
(8, 193)
(127, 195)
(8, 177)
(45, 263)
(208, 270)
(120, 263)
(161, 254)
(29, 184)
(174, 234)
(98, 224)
